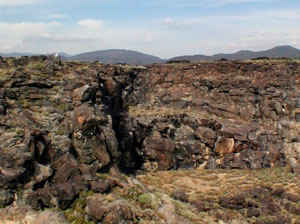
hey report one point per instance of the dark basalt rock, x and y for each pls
(236, 202)
(115, 212)
(64, 124)
(95, 208)
(64, 193)
(100, 186)
(179, 194)
(6, 198)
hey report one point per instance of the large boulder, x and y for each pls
(159, 149)
(224, 146)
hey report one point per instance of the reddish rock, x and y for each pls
(224, 146)
(80, 115)
(206, 135)
(118, 212)
(83, 93)
(160, 149)
(100, 186)
(95, 208)
(234, 202)
(110, 85)
(64, 193)
(290, 196)
(278, 192)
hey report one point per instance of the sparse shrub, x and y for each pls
(38, 66)
(19, 131)
(145, 199)
(61, 107)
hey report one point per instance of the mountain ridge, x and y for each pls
(275, 52)
(115, 56)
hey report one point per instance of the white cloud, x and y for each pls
(148, 39)
(44, 37)
(25, 28)
(90, 23)
(56, 16)
(17, 2)
(169, 23)
(12, 34)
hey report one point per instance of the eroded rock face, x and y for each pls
(159, 149)
(221, 115)
(61, 128)
(62, 125)
(289, 133)
(220, 147)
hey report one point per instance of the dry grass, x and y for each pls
(164, 111)
(209, 186)
(199, 182)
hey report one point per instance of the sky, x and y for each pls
(165, 28)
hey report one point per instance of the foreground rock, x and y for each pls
(60, 128)
(24, 214)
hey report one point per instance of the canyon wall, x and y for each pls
(64, 125)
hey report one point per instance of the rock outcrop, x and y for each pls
(219, 115)
(60, 128)
(65, 124)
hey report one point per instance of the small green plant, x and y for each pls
(61, 107)
(19, 131)
(38, 66)
(76, 214)
(59, 132)
(145, 199)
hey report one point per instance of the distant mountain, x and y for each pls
(15, 54)
(64, 54)
(276, 52)
(117, 56)
(137, 58)
(282, 51)
(106, 56)
(191, 58)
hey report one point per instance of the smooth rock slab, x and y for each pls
(224, 146)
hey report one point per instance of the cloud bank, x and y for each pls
(166, 36)
(11, 3)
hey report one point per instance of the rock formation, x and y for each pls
(219, 115)
(63, 125)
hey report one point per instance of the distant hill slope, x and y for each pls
(117, 56)
(18, 54)
(276, 52)
(137, 58)
(197, 57)
(15, 54)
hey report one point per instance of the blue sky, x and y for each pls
(165, 28)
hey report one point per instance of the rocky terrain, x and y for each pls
(213, 142)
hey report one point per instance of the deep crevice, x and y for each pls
(127, 142)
